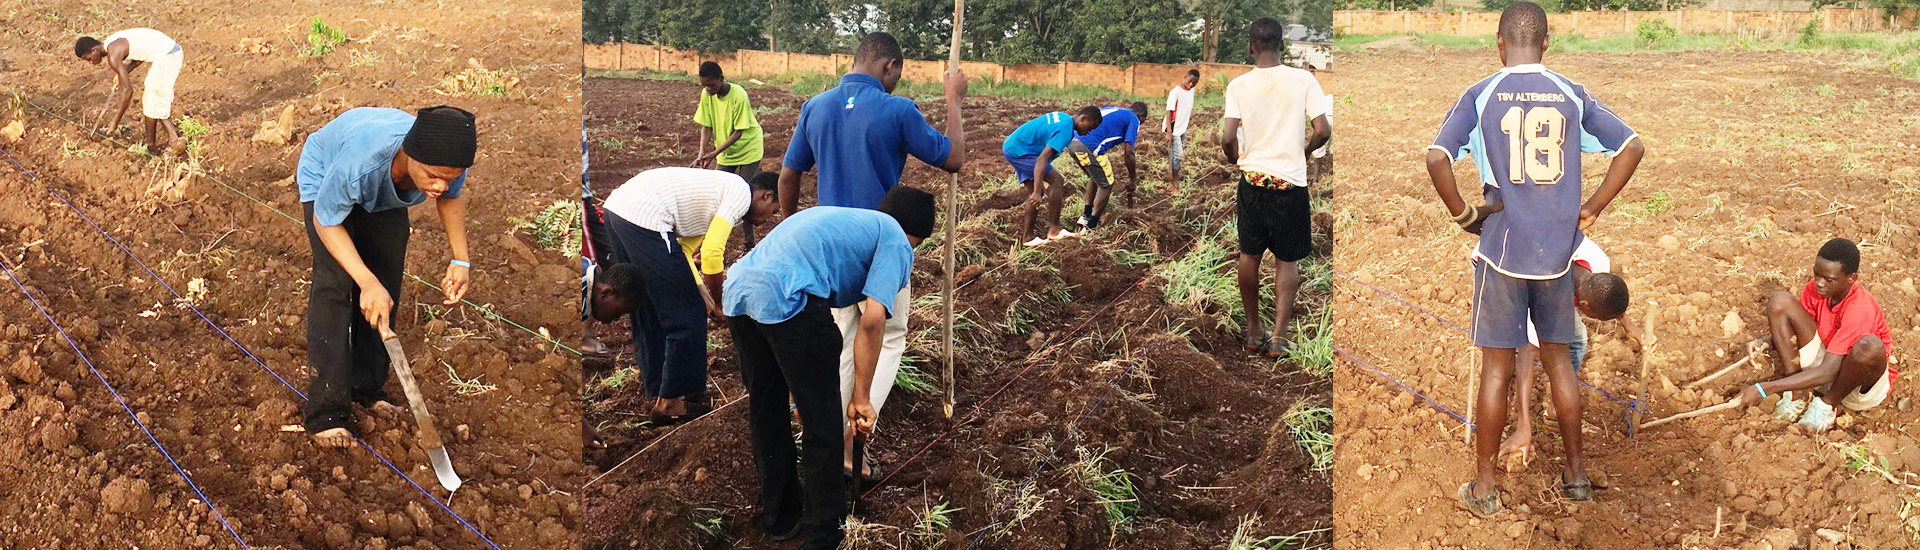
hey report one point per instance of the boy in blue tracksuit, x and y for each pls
(1526, 126)
(1093, 152)
(1031, 150)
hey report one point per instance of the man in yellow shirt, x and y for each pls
(657, 219)
(726, 120)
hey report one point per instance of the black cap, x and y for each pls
(442, 136)
(911, 207)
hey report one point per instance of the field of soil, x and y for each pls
(1193, 420)
(78, 473)
(1754, 160)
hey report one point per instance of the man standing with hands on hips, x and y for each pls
(357, 177)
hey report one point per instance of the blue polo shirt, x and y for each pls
(1117, 126)
(1053, 129)
(349, 163)
(859, 135)
(844, 255)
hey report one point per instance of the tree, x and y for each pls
(804, 26)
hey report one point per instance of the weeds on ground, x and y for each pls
(1652, 31)
(1202, 277)
(1304, 540)
(931, 529)
(1309, 426)
(1313, 348)
(192, 130)
(557, 225)
(1653, 206)
(711, 522)
(466, 386)
(911, 378)
(1114, 487)
(1023, 502)
(322, 38)
(618, 378)
(1131, 258)
(478, 80)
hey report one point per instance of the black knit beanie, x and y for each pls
(442, 136)
(911, 207)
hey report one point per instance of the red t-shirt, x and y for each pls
(1840, 326)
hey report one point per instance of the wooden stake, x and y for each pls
(953, 211)
(1633, 417)
(1693, 413)
(1718, 373)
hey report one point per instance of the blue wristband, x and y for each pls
(462, 263)
(1763, 391)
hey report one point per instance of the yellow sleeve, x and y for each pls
(688, 246)
(713, 249)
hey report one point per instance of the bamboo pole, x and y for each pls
(953, 211)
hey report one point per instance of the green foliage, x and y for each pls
(557, 225)
(1310, 427)
(321, 38)
(931, 529)
(1386, 5)
(1655, 30)
(192, 129)
(1313, 347)
(911, 378)
(1114, 487)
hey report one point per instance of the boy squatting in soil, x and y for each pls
(726, 119)
(1260, 133)
(1527, 151)
(357, 176)
(1599, 294)
(859, 136)
(123, 52)
(1832, 339)
(1033, 146)
(662, 222)
(1179, 114)
(1093, 152)
(779, 302)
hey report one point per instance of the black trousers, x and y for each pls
(349, 362)
(800, 356)
(670, 325)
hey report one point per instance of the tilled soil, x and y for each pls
(81, 475)
(1754, 160)
(1193, 419)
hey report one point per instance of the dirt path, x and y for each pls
(1195, 421)
(1754, 160)
(84, 473)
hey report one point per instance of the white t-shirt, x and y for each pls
(144, 44)
(1588, 255)
(1274, 105)
(1180, 103)
(680, 199)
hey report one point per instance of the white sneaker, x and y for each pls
(1819, 416)
(1789, 409)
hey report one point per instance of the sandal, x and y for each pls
(1577, 491)
(1254, 343)
(1276, 347)
(1482, 507)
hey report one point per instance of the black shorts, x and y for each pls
(1275, 219)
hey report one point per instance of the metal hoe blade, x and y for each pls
(429, 435)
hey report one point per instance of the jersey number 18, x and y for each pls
(1543, 130)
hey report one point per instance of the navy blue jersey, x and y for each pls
(1525, 127)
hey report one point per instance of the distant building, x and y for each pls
(1309, 48)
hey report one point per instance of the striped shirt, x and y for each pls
(681, 200)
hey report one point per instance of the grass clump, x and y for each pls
(911, 378)
(1309, 425)
(1114, 487)
(557, 225)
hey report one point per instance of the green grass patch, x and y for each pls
(1128, 257)
(911, 378)
(1309, 426)
(931, 529)
(1206, 276)
(322, 38)
(192, 129)
(1111, 484)
(1313, 346)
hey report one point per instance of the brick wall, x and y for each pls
(1148, 79)
(1600, 23)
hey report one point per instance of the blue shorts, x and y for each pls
(1022, 165)
(1502, 304)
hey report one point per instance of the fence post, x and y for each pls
(1062, 81)
(1130, 79)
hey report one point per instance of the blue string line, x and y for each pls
(995, 518)
(1633, 406)
(123, 404)
(1397, 382)
(243, 349)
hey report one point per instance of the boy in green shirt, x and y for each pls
(725, 114)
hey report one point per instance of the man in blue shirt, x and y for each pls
(1093, 152)
(357, 176)
(778, 300)
(860, 135)
(1033, 146)
(1526, 127)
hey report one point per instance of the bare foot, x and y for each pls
(336, 438)
(1517, 451)
(386, 409)
(670, 407)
